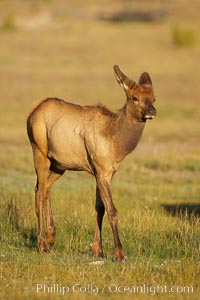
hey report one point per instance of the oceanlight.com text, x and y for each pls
(112, 288)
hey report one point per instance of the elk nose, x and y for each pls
(150, 112)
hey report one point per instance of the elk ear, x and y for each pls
(145, 79)
(122, 79)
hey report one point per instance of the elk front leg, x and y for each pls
(105, 193)
(100, 210)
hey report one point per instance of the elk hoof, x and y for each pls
(119, 254)
(97, 249)
(50, 235)
(43, 245)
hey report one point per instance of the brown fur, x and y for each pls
(66, 136)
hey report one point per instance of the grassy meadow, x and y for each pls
(70, 54)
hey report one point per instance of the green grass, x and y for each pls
(161, 249)
(72, 59)
(8, 24)
(183, 37)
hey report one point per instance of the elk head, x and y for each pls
(140, 97)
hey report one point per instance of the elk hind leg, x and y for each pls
(50, 227)
(42, 165)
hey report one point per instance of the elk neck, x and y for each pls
(127, 132)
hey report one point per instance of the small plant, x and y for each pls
(8, 24)
(183, 37)
(12, 214)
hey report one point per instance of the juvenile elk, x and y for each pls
(66, 136)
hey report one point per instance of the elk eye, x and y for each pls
(135, 98)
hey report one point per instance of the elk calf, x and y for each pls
(66, 136)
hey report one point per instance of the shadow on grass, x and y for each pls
(126, 14)
(30, 237)
(183, 209)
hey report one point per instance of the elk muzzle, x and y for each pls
(150, 112)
